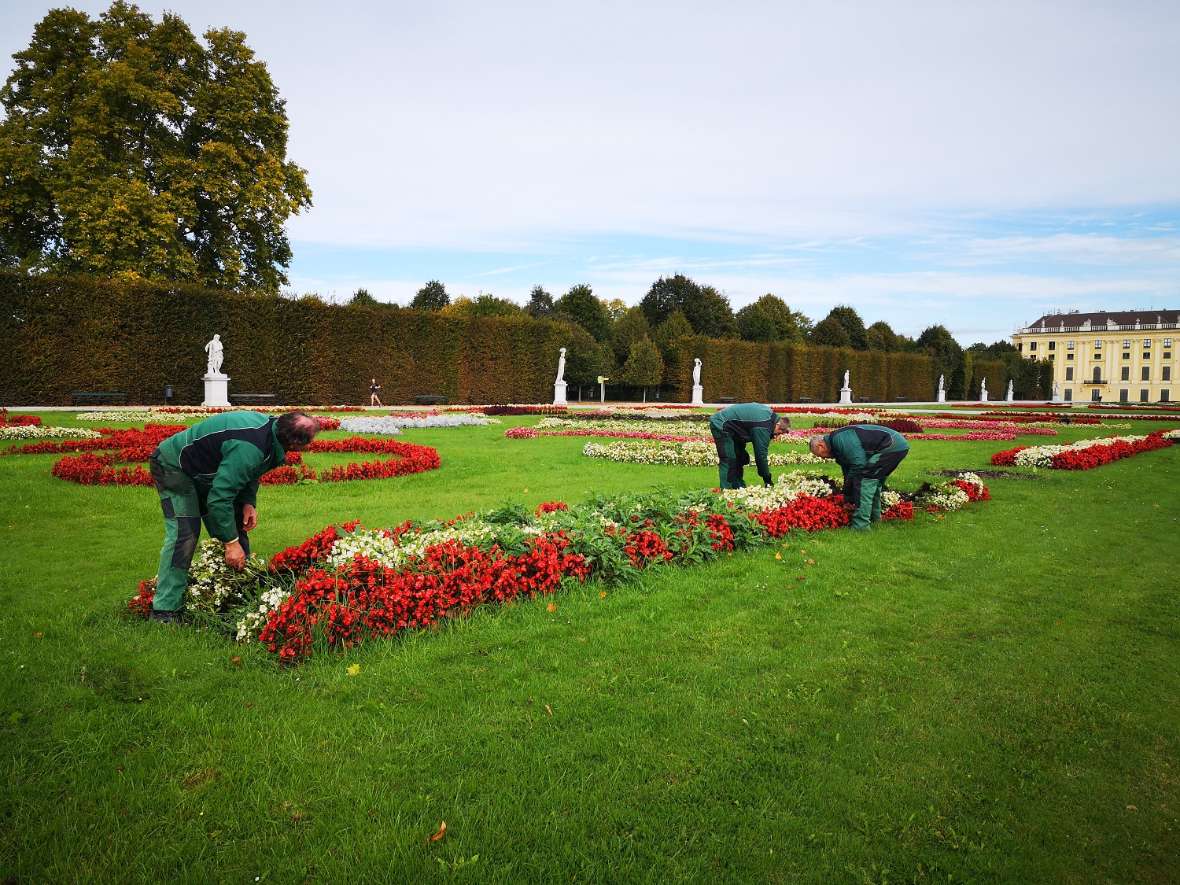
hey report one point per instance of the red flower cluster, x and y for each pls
(1096, 456)
(974, 493)
(903, 510)
(89, 469)
(805, 512)
(522, 410)
(720, 531)
(313, 550)
(327, 423)
(112, 438)
(901, 425)
(367, 600)
(1007, 458)
(646, 546)
(551, 507)
(141, 603)
(18, 420)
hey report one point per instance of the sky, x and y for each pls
(975, 165)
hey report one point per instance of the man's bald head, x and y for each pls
(819, 446)
(295, 430)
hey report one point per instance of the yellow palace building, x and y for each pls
(1124, 356)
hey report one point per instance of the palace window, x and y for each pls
(1146, 374)
(1126, 344)
(1126, 355)
(1052, 345)
(1069, 356)
(1098, 345)
(1147, 354)
(1167, 354)
(1167, 342)
(1069, 344)
(1096, 395)
(1163, 396)
(1069, 396)
(1097, 374)
(1126, 373)
(1124, 394)
(1032, 345)
(1069, 373)
(1147, 342)
(1167, 376)
(1143, 396)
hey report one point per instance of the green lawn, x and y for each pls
(990, 696)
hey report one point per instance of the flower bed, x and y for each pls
(689, 454)
(1085, 454)
(90, 468)
(533, 433)
(394, 424)
(633, 415)
(43, 431)
(510, 409)
(18, 420)
(345, 584)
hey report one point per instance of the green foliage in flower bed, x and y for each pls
(990, 697)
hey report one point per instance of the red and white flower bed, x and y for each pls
(686, 454)
(345, 585)
(1084, 454)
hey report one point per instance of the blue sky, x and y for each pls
(974, 166)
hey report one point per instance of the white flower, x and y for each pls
(1042, 456)
(693, 454)
(43, 431)
(392, 425)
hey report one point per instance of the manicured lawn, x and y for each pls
(994, 695)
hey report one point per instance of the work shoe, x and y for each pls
(165, 617)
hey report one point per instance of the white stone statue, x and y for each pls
(561, 367)
(1010, 390)
(1056, 390)
(216, 352)
(696, 372)
(983, 390)
(941, 380)
(847, 386)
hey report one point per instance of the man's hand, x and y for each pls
(235, 556)
(249, 518)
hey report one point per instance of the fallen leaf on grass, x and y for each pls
(778, 556)
(236, 660)
(353, 670)
(196, 779)
(548, 709)
(551, 607)
(602, 594)
(40, 635)
(442, 831)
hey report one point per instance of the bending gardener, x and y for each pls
(735, 426)
(210, 472)
(867, 453)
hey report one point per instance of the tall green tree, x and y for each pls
(852, 323)
(540, 304)
(580, 306)
(880, 336)
(831, 332)
(947, 357)
(363, 298)
(706, 309)
(627, 329)
(670, 331)
(755, 324)
(129, 147)
(432, 296)
(644, 367)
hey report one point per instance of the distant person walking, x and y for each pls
(374, 400)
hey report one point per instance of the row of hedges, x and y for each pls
(781, 372)
(66, 334)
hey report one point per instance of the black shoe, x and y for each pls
(165, 617)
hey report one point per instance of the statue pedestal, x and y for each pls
(216, 390)
(1057, 398)
(942, 396)
(1008, 398)
(698, 395)
(845, 396)
(559, 393)
(983, 396)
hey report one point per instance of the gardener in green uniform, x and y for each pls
(867, 453)
(210, 472)
(736, 425)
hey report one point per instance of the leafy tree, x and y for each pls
(644, 367)
(615, 308)
(579, 306)
(540, 304)
(627, 329)
(880, 336)
(432, 296)
(830, 331)
(707, 310)
(791, 325)
(755, 324)
(852, 323)
(670, 331)
(128, 147)
(362, 298)
(947, 356)
(486, 305)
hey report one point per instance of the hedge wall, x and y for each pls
(781, 372)
(66, 334)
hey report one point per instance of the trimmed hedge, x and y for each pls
(781, 372)
(65, 334)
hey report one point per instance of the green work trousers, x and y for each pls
(731, 458)
(872, 484)
(183, 503)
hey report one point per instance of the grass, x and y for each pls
(990, 696)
